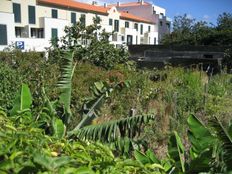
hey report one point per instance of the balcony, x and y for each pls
(128, 31)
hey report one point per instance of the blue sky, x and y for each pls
(207, 10)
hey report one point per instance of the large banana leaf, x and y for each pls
(22, 101)
(199, 136)
(65, 83)
(226, 139)
(176, 151)
(100, 91)
(111, 131)
(203, 142)
(58, 128)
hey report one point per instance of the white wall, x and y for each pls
(31, 44)
(50, 23)
(8, 20)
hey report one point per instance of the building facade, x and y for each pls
(30, 24)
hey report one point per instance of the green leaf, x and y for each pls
(59, 128)
(226, 141)
(50, 163)
(142, 158)
(22, 101)
(110, 131)
(152, 156)
(176, 151)
(65, 83)
(199, 136)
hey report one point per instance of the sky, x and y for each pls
(207, 10)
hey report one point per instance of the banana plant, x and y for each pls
(176, 151)
(112, 130)
(65, 83)
(225, 138)
(150, 160)
(22, 101)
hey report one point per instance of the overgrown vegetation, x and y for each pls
(87, 110)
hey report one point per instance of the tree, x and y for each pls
(183, 23)
(90, 43)
(224, 21)
(188, 31)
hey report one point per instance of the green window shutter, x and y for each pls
(136, 26)
(82, 19)
(17, 12)
(141, 29)
(54, 33)
(3, 36)
(31, 14)
(54, 13)
(116, 25)
(110, 22)
(73, 18)
(126, 24)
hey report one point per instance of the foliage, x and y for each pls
(23, 101)
(26, 149)
(186, 31)
(90, 43)
(65, 84)
(113, 130)
(10, 83)
(227, 59)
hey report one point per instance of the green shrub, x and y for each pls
(10, 83)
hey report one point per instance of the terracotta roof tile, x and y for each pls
(90, 8)
(129, 4)
(75, 5)
(130, 16)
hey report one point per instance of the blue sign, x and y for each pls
(20, 45)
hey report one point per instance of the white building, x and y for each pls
(149, 12)
(30, 24)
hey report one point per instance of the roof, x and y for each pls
(129, 16)
(91, 8)
(75, 5)
(130, 4)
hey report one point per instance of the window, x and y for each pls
(129, 39)
(54, 13)
(40, 33)
(154, 12)
(73, 18)
(54, 33)
(31, 14)
(161, 23)
(136, 26)
(98, 19)
(110, 22)
(168, 25)
(82, 19)
(155, 40)
(116, 25)
(161, 15)
(149, 28)
(18, 32)
(33, 32)
(3, 31)
(126, 24)
(37, 32)
(123, 38)
(136, 40)
(17, 12)
(141, 29)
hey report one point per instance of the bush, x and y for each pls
(10, 83)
